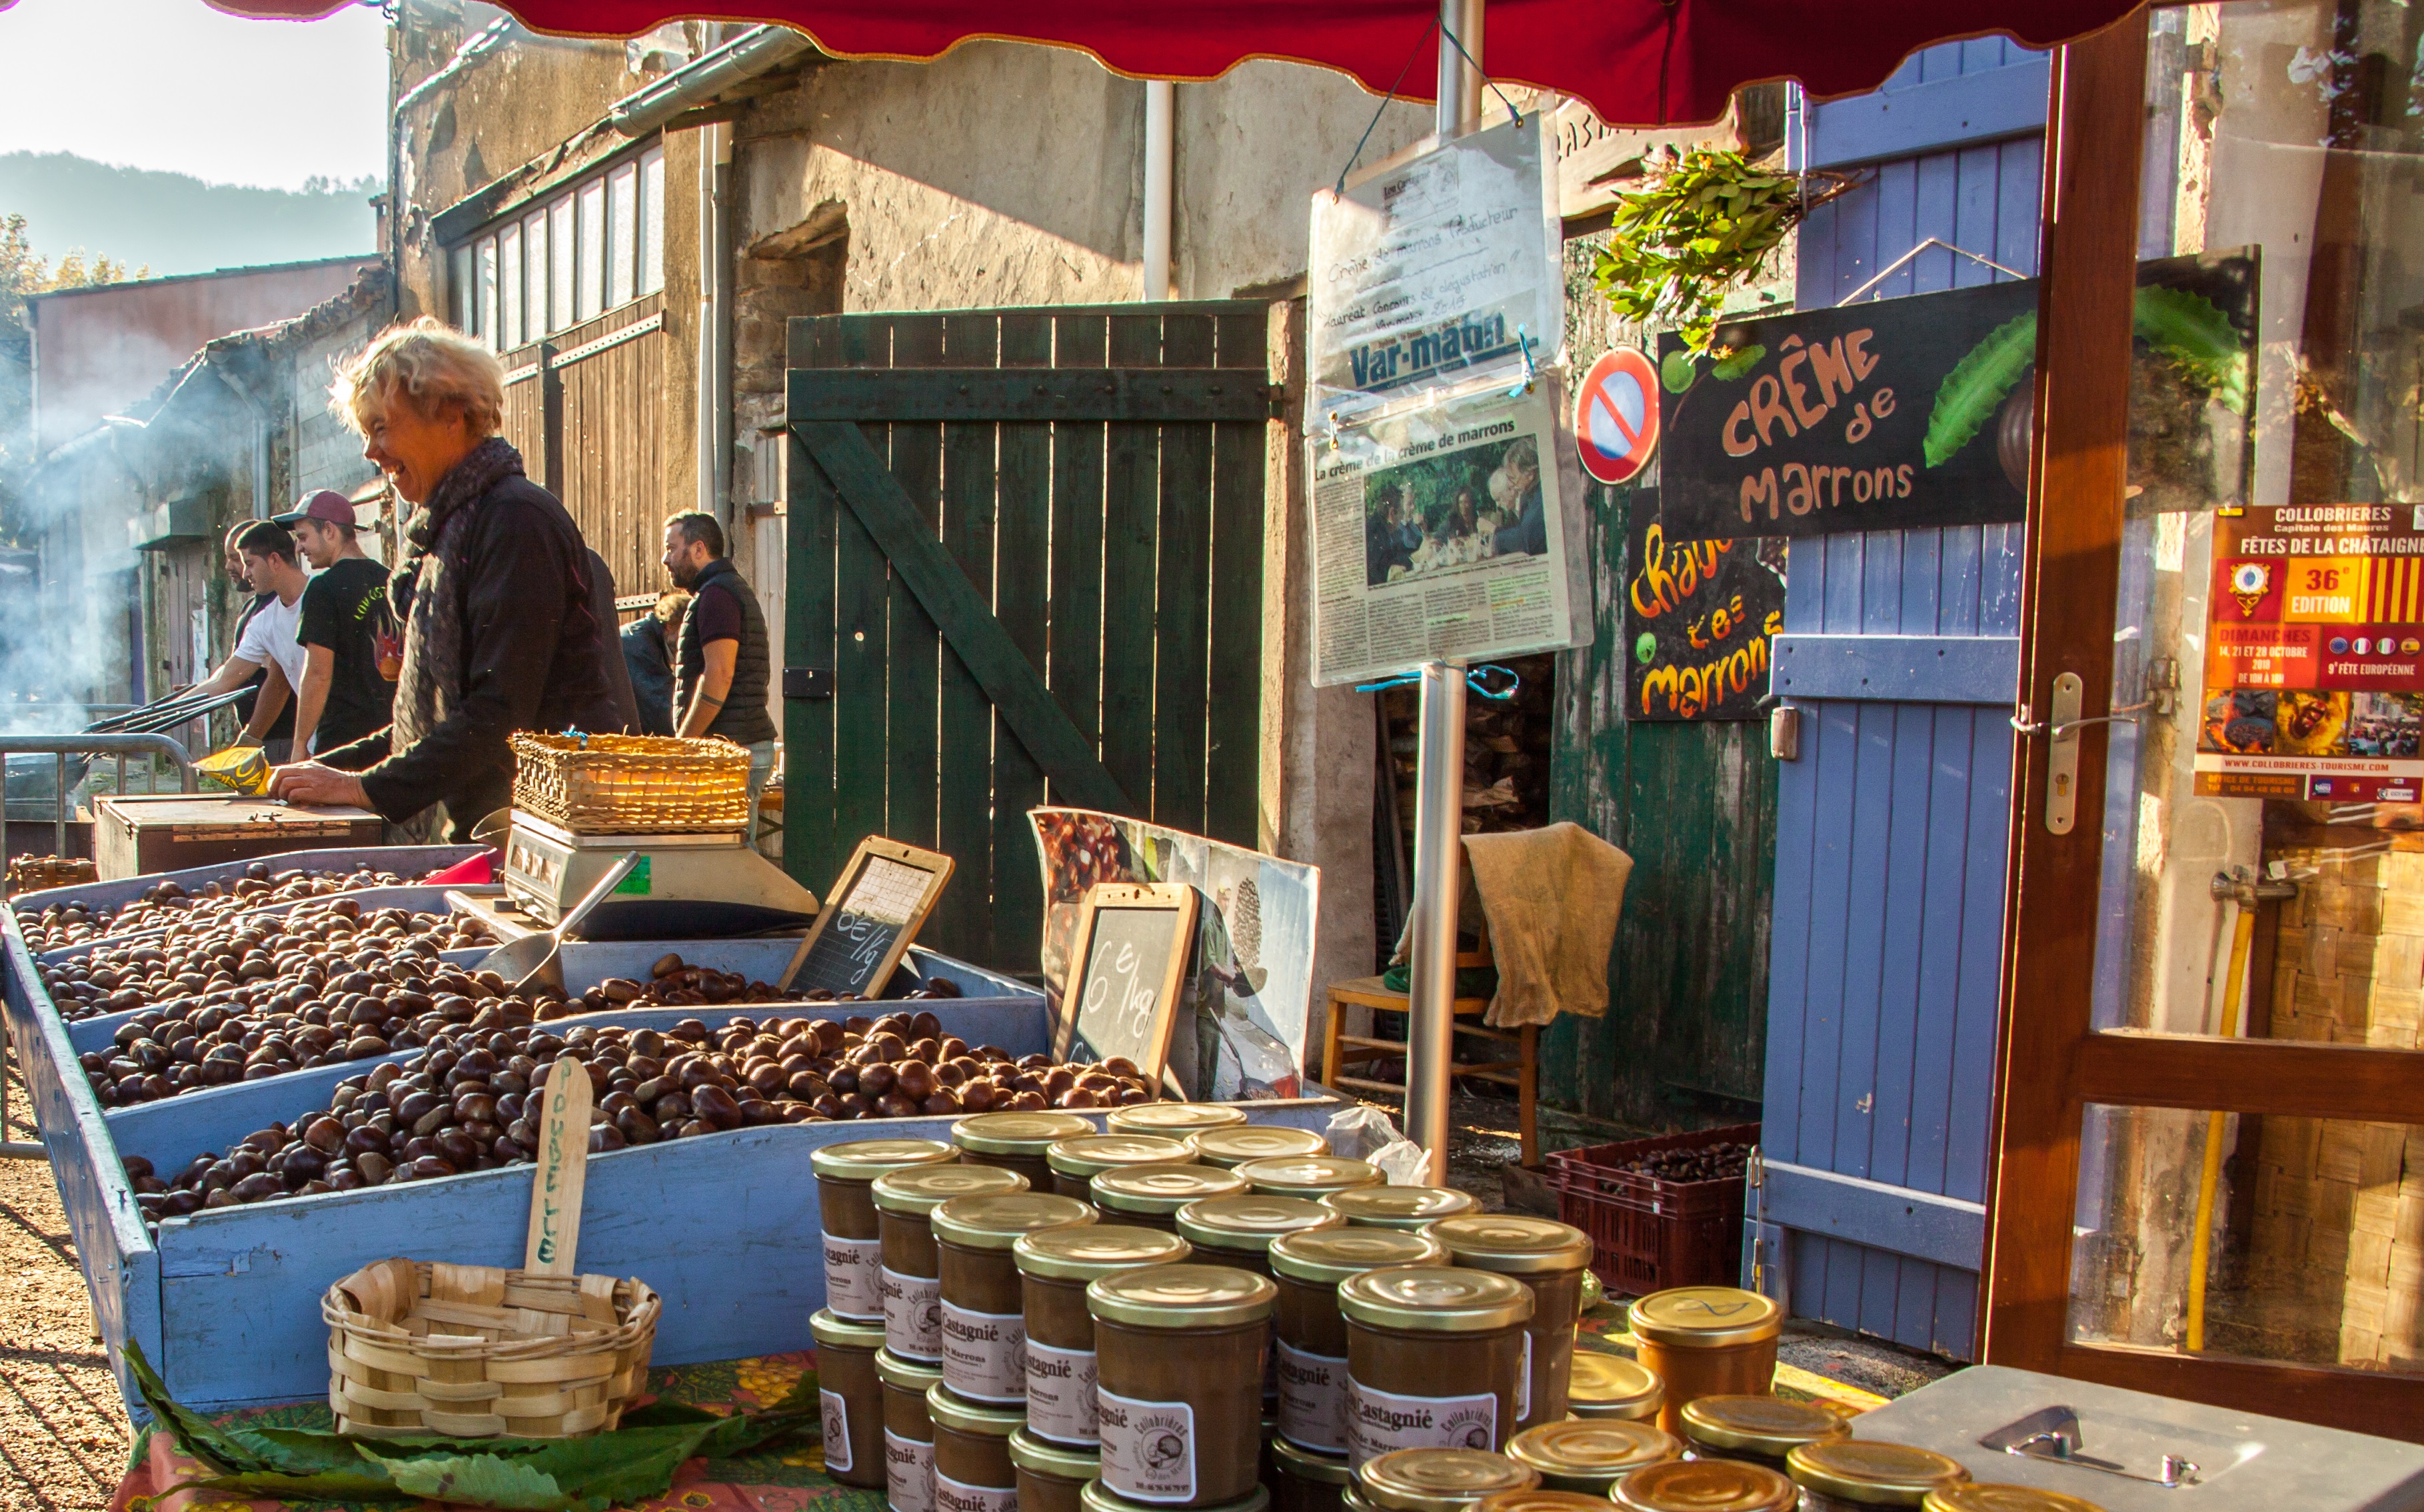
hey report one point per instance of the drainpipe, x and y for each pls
(1160, 109)
(714, 323)
(253, 406)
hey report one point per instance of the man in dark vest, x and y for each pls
(722, 662)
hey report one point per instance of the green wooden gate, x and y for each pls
(1024, 566)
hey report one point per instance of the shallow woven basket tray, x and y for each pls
(631, 784)
(474, 1352)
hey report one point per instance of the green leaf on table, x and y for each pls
(481, 1480)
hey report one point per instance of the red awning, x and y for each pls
(1637, 62)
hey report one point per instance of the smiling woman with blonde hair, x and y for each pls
(496, 592)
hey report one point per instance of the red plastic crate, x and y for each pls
(1648, 1235)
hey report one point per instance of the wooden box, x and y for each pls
(136, 835)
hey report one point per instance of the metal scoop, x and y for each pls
(539, 958)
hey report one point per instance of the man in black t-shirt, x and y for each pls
(348, 637)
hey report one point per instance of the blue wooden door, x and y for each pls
(1901, 654)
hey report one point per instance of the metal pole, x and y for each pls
(1439, 853)
(1161, 110)
(1460, 83)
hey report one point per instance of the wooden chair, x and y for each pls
(1341, 1050)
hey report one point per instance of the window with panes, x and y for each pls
(593, 246)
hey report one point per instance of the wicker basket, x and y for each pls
(631, 784)
(474, 1352)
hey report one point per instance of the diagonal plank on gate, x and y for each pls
(875, 496)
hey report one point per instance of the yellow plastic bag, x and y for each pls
(243, 768)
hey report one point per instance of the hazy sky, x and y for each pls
(177, 85)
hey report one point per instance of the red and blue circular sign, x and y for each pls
(1615, 415)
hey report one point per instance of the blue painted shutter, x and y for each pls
(1901, 649)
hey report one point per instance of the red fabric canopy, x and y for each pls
(1637, 62)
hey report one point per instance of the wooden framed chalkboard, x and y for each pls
(1131, 950)
(874, 911)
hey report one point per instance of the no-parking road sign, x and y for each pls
(1615, 415)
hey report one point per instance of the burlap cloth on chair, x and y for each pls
(1552, 896)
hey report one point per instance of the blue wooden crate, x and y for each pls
(404, 860)
(226, 1303)
(414, 897)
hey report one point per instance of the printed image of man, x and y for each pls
(1529, 535)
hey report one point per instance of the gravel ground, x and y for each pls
(63, 1433)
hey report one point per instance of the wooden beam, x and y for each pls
(2286, 1078)
(841, 453)
(2087, 282)
(2358, 1401)
(981, 395)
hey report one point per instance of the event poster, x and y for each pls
(2314, 672)
(1245, 1005)
(1700, 619)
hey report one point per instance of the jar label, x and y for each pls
(908, 1473)
(985, 1354)
(852, 1289)
(958, 1496)
(837, 1428)
(1379, 1421)
(1060, 1394)
(1148, 1448)
(913, 1316)
(1524, 1382)
(1312, 1398)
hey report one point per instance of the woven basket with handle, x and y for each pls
(475, 1351)
(631, 783)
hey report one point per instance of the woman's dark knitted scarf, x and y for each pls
(426, 592)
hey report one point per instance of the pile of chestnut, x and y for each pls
(470, 1100)
(60, 924)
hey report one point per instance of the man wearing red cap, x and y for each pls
(348, 634)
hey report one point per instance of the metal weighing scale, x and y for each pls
(688, 884)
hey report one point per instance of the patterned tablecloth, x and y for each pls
(788, 1478)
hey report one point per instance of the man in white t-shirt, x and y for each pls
(267, 551)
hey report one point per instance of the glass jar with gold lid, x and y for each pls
(972, 1467)
(852, 1396)
(984, 1326)
(1309, 1334)
(1078, 1161)
(1173, 1121)
(1707, 1341)
(1239, 1231)
(1706, 1485)
(1541, 1499)
(1179, 1359)
(1055, 1266)
(1097, 1497)
(1851, 1474)
(1310, 1177)
(1577, 1455)
(1757, 1430)
(913, 1267)
(1016, 1141)
(1551, 1259)
(1051, 1476)
(1439, 1480)
(1610, 1386)
(1152, 1195)
(1434, 1358)
(846, 1211)
(1232, 1146)
(1987, 1496)
(1302, 1481)
(1398, 1207)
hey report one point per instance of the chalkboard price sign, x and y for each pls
(873, 912)
(1130, 953)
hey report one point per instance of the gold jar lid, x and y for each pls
(1173, 1121)
(906, 1375)
(920, 1190)
(1434, 1300)
(1578, 1454)
(1611, 1386)
(1098, 1497)
(1256, 1141)
(1541, 1499)
(1061, 1461)
(1094, 1153)
(995, 1220)
(1182, 1296)
(1310, 1177)
(1705, 1317)
(1253, 1221)
(1017, 1134)
(1989, 1497)
(1705, 1485)
(950, 1410)
(1440, 1480)
(1162, 1189)
(1398, 1207)
(832, 1332)
(1512, 1244)
(865, 1159)
(1302, 1463)
(1873, 1474)
(1767, 1425)
(1088, 1251)
(1331, 1255)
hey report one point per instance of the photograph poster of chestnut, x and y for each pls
(1914, 411)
